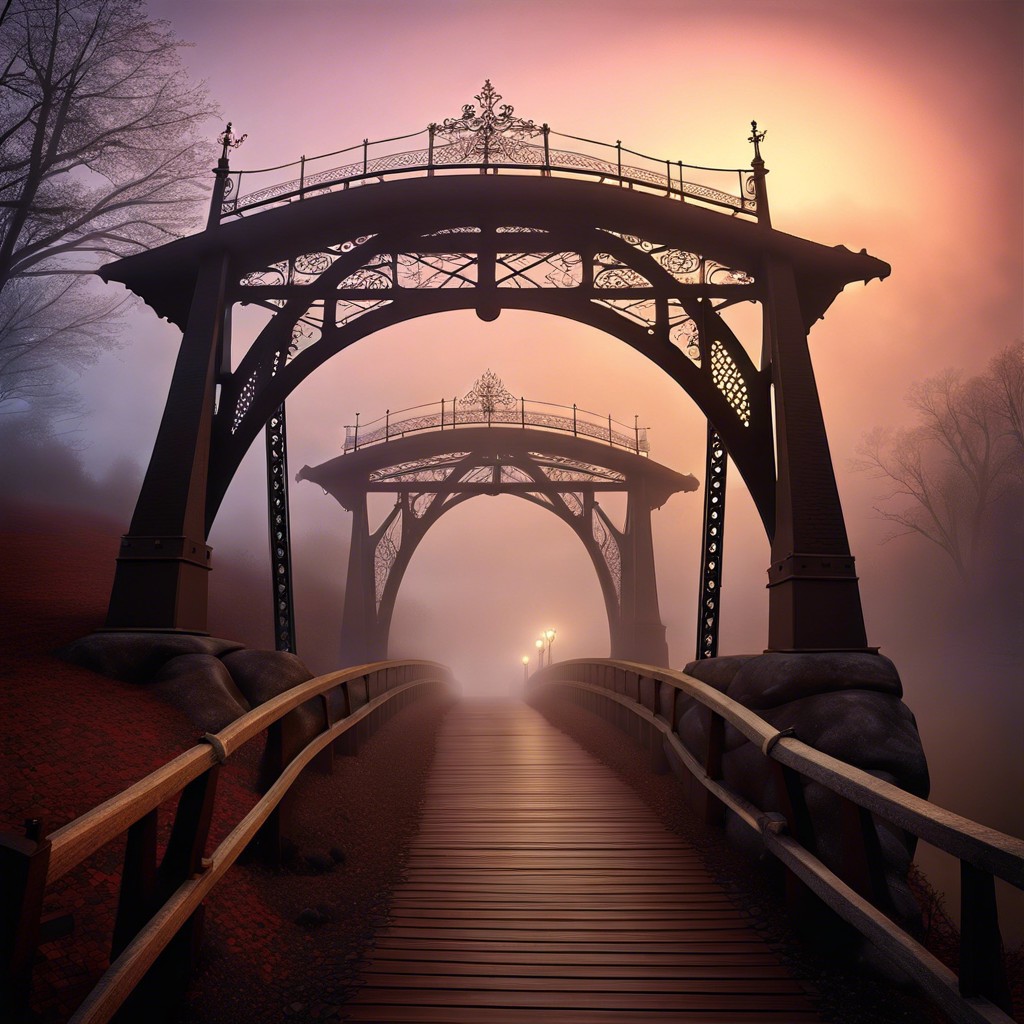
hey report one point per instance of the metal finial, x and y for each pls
(755, 138)
(229, 141)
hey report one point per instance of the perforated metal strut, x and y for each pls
(280, 531)
(709, 604)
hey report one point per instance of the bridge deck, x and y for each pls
(540, 888)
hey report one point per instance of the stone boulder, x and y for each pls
(136, 657)
(201, 686)
(847, 705)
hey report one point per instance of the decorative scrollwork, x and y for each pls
(684, 266)
(348, 310)
(432, 469)
(611, 272)
(573, 502)
(419, 504)
(375, 274)
(515, 475)
(436, 270)
(608, 544)
(487, 394)
(353, 244)
(683, 331)
(538, 270)
(385, 555)
(487, 135)
(468, 230)
(637, 311)
(312, 264)
(478, 475)
(275, 274)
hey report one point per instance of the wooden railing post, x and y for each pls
(24, 861)
(714, 810)
(138, 898)
(862, 867)
(982, 971)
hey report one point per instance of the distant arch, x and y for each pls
(433, 471)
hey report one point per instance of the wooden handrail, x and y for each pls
(192, 876)
(993, 852)
(73, 842)
(130, 967)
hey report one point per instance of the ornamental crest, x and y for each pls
(487, 394)
(488, 135)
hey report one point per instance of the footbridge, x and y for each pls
(537, 888)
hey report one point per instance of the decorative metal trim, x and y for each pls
(727, 378)
(280, 531)
(487, 393)
(709, 601)
(487, 134)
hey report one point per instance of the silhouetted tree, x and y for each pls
(965, 454)
(99, 157)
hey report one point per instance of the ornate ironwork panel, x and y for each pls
(709, 603)
(385, 554)
(728, 379)
(607, 539)
(280, 532)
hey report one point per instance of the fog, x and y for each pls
(891, 126)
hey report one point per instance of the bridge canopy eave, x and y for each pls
(164, 277)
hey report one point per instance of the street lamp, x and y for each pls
(549, 637)
(539, 644)
(526, 668)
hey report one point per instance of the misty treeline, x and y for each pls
(101, 156)
(956, 477)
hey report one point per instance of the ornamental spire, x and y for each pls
(755, 138)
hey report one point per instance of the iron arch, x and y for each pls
(434, 471)
(353, 232)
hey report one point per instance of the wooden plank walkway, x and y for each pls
(541, 889)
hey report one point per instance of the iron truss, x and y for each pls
(662, 300)
(567, 476)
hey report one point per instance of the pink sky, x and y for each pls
(894, 126)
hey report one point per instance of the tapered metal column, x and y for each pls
(640, 617)
(814, 600)
(359, 614)
(709, 601)
(161, 581)
(280, 531)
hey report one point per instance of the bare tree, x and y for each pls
(1004, 383)
(99, 157)
(947, 473)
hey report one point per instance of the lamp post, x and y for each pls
(526, 668)
(549, 638)
(539, 644)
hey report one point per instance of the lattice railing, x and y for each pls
(489, 141)
(451, 414)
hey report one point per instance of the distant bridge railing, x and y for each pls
(450, 414)
(647, 697)
(731, 189)
(158, 903)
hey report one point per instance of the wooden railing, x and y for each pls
(158, 904)
(645, 699)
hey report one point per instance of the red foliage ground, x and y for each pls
(72, 739)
